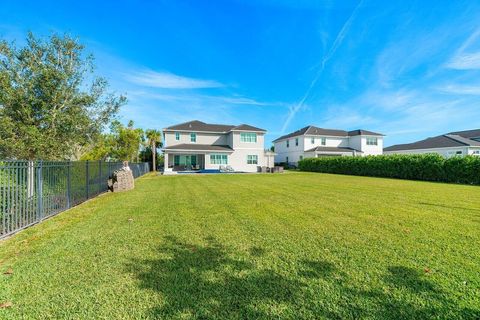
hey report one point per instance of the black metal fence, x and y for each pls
(31, 191)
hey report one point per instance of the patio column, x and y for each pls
(165, 162)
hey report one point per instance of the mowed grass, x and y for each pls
(290, 246)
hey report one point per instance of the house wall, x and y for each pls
(445, 152)
(474, 151)
(202, 138)
(293, 152)
(371, 150)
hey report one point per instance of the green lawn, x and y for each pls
(291, 246)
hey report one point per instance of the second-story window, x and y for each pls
(249, 137)
(177, 136)
(193, 137)
(288, 143)
(296, 142)
(372, 141)
(312, 140)
(324, 141)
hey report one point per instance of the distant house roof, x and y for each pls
(316, 131)
(449, 140)
(200, 126)
(333, 149)
(199, 147)
(470, 134)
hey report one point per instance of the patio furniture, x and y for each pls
(262, 169)
(229, 169)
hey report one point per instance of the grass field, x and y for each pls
(291, 246)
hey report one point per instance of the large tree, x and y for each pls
(154, 138)
(51, 102)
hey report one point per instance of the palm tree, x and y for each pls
(154, 138)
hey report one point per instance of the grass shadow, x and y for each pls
(205, 282)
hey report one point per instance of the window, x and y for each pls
(476, 152)
(218, 159)
(193, 137)
(249, 137)
(252, 159)
(372, 141)
(312, 140)
(185, 160)
(177, 136)
(324, 141)
(458, 152)
(286, 160)
(301, 158)
(296, 142)
(288, 143)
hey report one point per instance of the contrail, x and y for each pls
(328, 56)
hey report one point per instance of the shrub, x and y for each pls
(428, 167)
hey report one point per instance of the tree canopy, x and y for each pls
(51, 102)
(121, 143)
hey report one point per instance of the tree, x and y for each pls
(122, 143)
(154, 138)
(47, 107)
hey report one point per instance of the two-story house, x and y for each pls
(312, 142)
(200, 146)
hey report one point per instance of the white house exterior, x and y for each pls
(196, 145)
(312, 142)
(460, 143)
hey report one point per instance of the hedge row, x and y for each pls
(429, 167)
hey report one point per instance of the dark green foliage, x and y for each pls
(51, 101)
(428, 167)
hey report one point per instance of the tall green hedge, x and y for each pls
(429, 167)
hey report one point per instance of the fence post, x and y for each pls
(100, 176)
(69, 185)
(40, 191)
(86, 178)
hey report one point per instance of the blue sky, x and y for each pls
(408, 69)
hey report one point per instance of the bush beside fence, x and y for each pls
(428, 167)
(31, 191)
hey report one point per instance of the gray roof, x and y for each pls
(470, 134)
(199, 147)
(332, 149)
(197, 125)
(316, 131)
(360, 132)
(454, 139)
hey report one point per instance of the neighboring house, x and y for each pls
(312, 142)
(458, 143)
(196, 145)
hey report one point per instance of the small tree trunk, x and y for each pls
(154, 156)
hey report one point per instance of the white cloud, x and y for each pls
(168, 80)
(460, 89)
(465, 61)
(466, 57)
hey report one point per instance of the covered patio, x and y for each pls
(191, 157)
